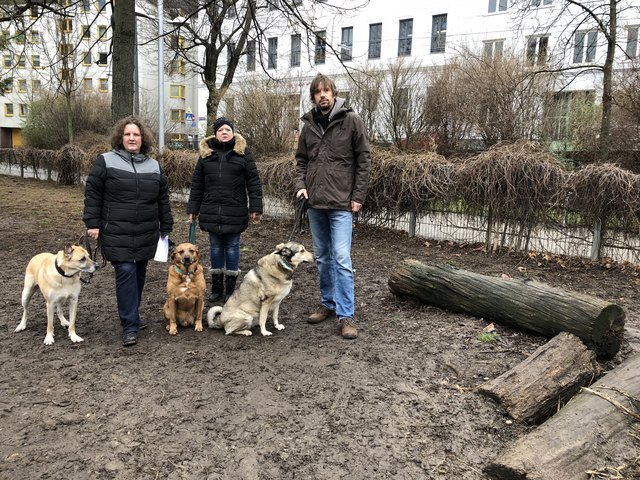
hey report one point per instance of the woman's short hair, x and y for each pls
(321, 79)
(148, 140)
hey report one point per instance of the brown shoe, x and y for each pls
(348, 329)
(322, 315)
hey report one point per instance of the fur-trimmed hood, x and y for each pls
(240, 147)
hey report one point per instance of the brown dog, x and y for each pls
(58, 277)
(185, 289)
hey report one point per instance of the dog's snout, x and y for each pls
(187, 260)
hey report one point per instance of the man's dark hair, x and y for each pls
(118, 131)
(321, 79)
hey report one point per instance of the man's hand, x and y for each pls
(302, 193)
(355, 206)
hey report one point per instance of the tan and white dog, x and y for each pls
(185, 289)
(58, 277)
(261, 291)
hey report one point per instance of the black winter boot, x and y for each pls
(216, 287)
(229, 285)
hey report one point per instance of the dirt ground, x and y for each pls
(397, 403)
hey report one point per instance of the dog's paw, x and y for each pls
(20, 327)
(266, 333)
(173, 331)
(48, 340)
(76, 338)
(279, 326)
(198, 328)
(64, 322)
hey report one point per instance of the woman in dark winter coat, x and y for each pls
(225, 192)
(126, 208)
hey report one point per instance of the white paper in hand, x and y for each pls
(162, 250)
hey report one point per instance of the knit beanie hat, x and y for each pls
(220, 122)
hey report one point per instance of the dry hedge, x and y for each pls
(518, 183)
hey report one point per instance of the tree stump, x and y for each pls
(534, 389)
(590, 433)
(525, 304)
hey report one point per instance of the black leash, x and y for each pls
(299, 218)
(93, 254)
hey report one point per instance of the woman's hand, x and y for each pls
(93, 233)
(255, 217)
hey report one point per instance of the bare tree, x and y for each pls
(123, 62)
(365, 87)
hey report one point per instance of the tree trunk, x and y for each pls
(122, 60)
(589, 433)
(525, 304)
(533, 389)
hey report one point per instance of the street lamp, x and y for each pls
(160, 75)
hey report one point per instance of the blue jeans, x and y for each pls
(130, 277)
(225, 252)
(331, 231)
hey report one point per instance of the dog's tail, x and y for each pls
(213, 317)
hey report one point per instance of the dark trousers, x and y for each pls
(130, 277)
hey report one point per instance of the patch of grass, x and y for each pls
(488, 337)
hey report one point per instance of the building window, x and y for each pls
(65, 49)
(86, 59)
(22, 86)
(497, 6)
(67, 75)
(35, 61)
(85, 6)
(7, 61)
(321, 47)
(272, 53)
(404, 37)
(103, 58)
(22, 63)
(23, 109)
(438, 33)
(585, 47)
(177, 66)
(19, 38)
(34, 12)
(493, 49)
(9, 86)
(66, 25)
(565, 105)
(102, 33)
(177, 91)
(537, 3)
(101, 4)
(251, 55)
(86, 32)
(177, 116)
(273, 5)
(8, 109)
(346, 46)
(537, 50)
(375, 40)
(87, 84)
(34, 36)
(295, 50)
(103, 85)
(36, 86)
(632, 42)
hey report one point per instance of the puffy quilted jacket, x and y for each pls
(127, 198)
(225, 186)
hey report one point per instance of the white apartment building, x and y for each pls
(72, 53)
(376, 33)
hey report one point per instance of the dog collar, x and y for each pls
(60, 270)
(182, 272)
(285, 262)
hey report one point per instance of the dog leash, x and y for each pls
(298, 221)
(93, 255)
(192, 231)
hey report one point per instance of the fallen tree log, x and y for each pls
(532, 390)
(593, 431)
(525, 304)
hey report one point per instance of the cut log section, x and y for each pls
(525, 304)
(591, 432)
(534, 389)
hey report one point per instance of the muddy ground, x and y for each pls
(397, 403)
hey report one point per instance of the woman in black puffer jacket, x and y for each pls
(225, 192)
(126, 207)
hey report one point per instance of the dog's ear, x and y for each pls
(80, 241)
(68, 251)
(279, 247)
